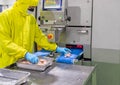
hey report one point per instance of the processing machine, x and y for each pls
(52, 19)
(67, 24)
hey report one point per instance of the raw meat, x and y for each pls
(41, 62)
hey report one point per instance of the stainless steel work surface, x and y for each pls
(13, 77)
(62, 74)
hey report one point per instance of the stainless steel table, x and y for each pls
(62, 74)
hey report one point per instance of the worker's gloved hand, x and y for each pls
(41, 54)
(32, 58)
(63, 50)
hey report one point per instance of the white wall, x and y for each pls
(106, 24)
(106, 31)
(8, 2)
(1, 1)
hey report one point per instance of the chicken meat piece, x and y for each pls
(68, 55)
(25, 62)
(41, 62)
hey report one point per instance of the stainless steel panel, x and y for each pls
(75, 14)
(35, 66)
(13, 77)
(62, 74)
(78, 35)
(83, 10)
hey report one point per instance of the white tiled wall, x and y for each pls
(106, 24)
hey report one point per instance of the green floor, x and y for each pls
(107, 73)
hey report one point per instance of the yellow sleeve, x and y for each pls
(6, 42)
(42, 40)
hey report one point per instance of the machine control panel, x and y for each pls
(49, 32)
(49, 17)
(52, 12)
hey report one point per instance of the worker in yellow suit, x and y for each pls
(18, 32)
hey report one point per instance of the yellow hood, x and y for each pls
(22, 6)
(28, 2)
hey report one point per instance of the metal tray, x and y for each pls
(13, 77)
(35, 66)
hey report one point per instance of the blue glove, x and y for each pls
(32, 58)
(63, 50)
(41, 54)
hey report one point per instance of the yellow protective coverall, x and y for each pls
(18, 31)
